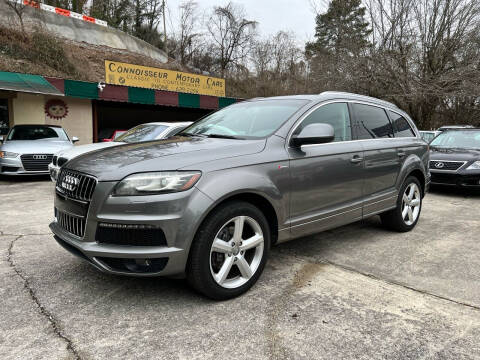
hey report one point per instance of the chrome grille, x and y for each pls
(76, 185)
(73, 224)
(36, 162)
(445, 165)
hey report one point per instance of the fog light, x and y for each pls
(143, 262)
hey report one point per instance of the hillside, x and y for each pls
(42, 53)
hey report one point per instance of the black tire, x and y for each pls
(199, 274)
(393, 219)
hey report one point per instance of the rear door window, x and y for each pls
(401, 126)
(372, 122)
(335, 114)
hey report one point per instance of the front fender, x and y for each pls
(265, 180)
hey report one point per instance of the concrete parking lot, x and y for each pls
(357, 292)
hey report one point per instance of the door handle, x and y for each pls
(356, 159)
(401, 154)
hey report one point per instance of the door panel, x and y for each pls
(382, 165)
(382, 161)
(326, 186)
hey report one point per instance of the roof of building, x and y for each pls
(28, 83)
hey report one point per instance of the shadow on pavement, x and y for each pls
(10, 180)
(454, 191)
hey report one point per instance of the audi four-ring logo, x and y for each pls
(39, 157)
(439, 165)
(70, 183)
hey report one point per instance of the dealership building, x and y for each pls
(92, 111)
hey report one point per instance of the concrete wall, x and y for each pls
(78, 122)
(30, 109)
(82, 31)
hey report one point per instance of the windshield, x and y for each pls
(247, 120)
(467, 139)
(141, 133)
(34, 132)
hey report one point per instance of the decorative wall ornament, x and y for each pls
(56, 109)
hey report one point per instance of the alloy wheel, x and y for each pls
(236, 252)
(411, 202)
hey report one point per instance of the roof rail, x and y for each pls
(359, 97)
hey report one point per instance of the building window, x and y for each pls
(4, 126)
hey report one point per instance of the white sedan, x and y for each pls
(140, 133)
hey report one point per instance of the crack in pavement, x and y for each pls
(302, 277)
(387, 281)
(43, 311)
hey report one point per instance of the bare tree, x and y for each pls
(18, 8)
(426, 56)
(187, 38)
(279, 65)
(231, 34)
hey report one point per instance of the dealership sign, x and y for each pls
(118, 73)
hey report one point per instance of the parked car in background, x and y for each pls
(454, 127)
(429, 135)
(143, 132)
(209, 202)
(28, 149)
(116, 134)
(455, 158)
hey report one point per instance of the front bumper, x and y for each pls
(178, 215)
(14, 166)
(470, 179)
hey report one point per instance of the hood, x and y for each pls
(35, 146)
(454, 154)
(175, 153)
(83, 149)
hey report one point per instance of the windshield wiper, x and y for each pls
(220, 136)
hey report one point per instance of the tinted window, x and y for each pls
(400, 125)
(249, 119)
(372, 122)
(335, 114)
(33, 132)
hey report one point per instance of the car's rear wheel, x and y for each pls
(409, 205)
(229, 251)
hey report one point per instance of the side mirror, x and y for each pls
(314, 134)
(1, 138)
(75, 139)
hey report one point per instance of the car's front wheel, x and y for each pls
(409, 205)
(229, 251)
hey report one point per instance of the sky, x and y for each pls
(273, 15)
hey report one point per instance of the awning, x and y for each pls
(27, 83)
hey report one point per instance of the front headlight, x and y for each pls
(156, 183)
(8, 155)
(474, 166)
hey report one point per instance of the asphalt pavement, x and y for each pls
(357, 292)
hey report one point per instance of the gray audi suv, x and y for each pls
(210, 202)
